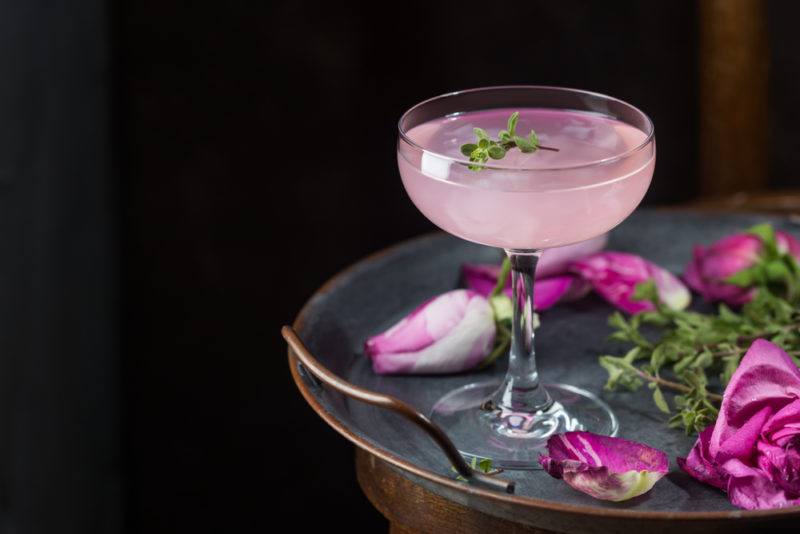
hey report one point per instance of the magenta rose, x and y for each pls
(753, 450)
(711, 267)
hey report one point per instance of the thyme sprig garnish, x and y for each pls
(485, 147)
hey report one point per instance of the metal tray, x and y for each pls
(373, 294)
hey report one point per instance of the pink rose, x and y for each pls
(753, 449)
(711, 267)
(447, 334)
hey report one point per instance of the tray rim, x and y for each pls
(500, 498)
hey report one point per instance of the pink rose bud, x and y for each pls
(753, 449)
(712, 266)
(612, 469)
(447, 334)
(615, 275)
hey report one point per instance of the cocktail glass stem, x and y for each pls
(521, 393)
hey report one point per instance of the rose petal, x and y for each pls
(781, 465)
(784, 425)
(482, 277)
(547, 291)
(557, 260)
(614, 275)
(765, 378)
(606, 468)
(449, 333)
(554, 261)
(752, 489)
(699, 464)
(730, 255)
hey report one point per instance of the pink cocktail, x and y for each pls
(524, 202)
(537, 200)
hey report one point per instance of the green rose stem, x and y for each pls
(485, 147)
(501, 278)
(501, 308)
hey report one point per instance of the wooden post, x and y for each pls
(734, 65)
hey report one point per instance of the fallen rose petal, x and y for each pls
(549, 291)
(447, 334)
(615, 275)
(556, 260)
(607, 468)
(546, 292)
(753, 450)
(482, 278)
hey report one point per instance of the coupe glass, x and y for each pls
(524, 205)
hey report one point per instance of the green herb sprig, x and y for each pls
(694, 354)
(484, 466)
(485, 147)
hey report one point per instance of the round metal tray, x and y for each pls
(376, 292)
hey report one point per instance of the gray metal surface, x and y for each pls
(377, 292)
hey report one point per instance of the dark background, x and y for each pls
(177, 178)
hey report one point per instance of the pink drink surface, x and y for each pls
(537, 200)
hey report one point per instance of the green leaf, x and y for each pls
(745, 277)
(727, 315)
(479, 154)
(523, 144)
(485, 465)
(484, 143)
(497, 152)
(777, 271)
(683, 363)
(620, 373)
(730, 364)
(512, 123)
(646, 290)
(480, 133)
(534, 139)
(766, 233)
(661, 402)
(468, 149)
(704, 360)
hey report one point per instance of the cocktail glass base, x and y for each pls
(514, 440)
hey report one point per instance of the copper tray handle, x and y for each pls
(321, 373)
